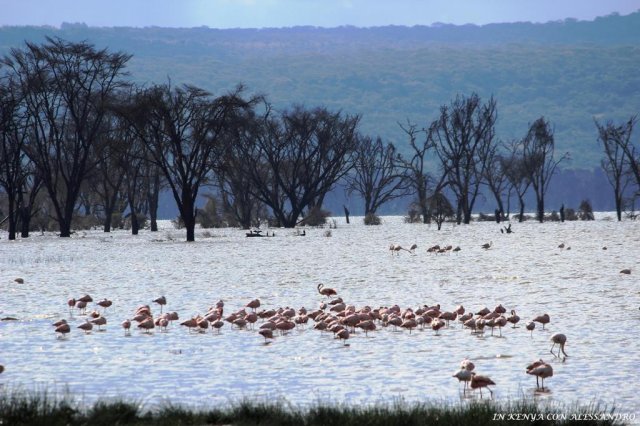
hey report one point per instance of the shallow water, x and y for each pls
(581, 289)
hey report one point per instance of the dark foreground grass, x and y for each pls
(20, 408)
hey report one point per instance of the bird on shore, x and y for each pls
(343, 335)
(254, 304)
(513, 318)
(542, 319)
(326, 291)
(487, 246)
(478, 382)
(560, 340)
(541, 370)
(413, 248)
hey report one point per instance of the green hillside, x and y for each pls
(568, 71)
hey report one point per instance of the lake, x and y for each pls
(581, 288)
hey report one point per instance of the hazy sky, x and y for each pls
(285, 13)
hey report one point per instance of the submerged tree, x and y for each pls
(514, 168)
(376, 174)
(65, 88)
(440, 208)
(616, 141)
(539, 162)
(463, 137)
(180, 128)
(294, 159)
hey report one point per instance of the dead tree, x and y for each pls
(463, 137)
(376, 176)
(295, 158)
(65, 87)
(538, 153)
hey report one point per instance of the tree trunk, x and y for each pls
(135, 225)
(346, 213)
(25, 221)
(12, 218)
(108, 218)
(521, 215)
(153, 199)
(541, 210)
(619, 207)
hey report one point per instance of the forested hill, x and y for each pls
(569, 71)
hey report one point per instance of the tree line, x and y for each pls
(79, 139)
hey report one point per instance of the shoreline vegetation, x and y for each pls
(45, 408)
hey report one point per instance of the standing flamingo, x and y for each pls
(326, 291)
(513, 318)
(126, 324)
(542, 319)
(531, 326)
(479, 382)
(160, 301)
(540, 369)
(559, 339)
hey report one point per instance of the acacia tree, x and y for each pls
(180, 128)
(418, 178)
(538, 153)
(615, 141)
(495, 177)
(234, 183)
(12, 158)
(65, 88)
(514, 168)
(295, 158)
(376, 174)
(108, 177)
(463, 138)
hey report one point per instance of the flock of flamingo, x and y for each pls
(332, 316)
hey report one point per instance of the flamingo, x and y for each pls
(467, 364)
(87, 327)
(413, 248)
(542, 319)
(71, 303)
(513, 318)
(540, 369)
(559, 339)
(326, 291)
(531, 326)
(479, 382)
(266, 333)
(487, 246)
(343, 335)
(86, 298)
(105, 303)
(254, 304)
(63, 329)
(463, 375)
(147, 325)
(160, 301)
(126, 325)
(100, 321)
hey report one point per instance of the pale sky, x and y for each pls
(287, 13)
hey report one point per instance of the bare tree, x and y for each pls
(615, 141)
(180, 128)
(463, 138)
(440, 208)
(496, 178)
(538, 153)
(65, 87)
(418, 178)
(235, 184)
(294, 159)
(515, 170)
(13, 134)
(376, 174)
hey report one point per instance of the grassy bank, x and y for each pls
(19, 408)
